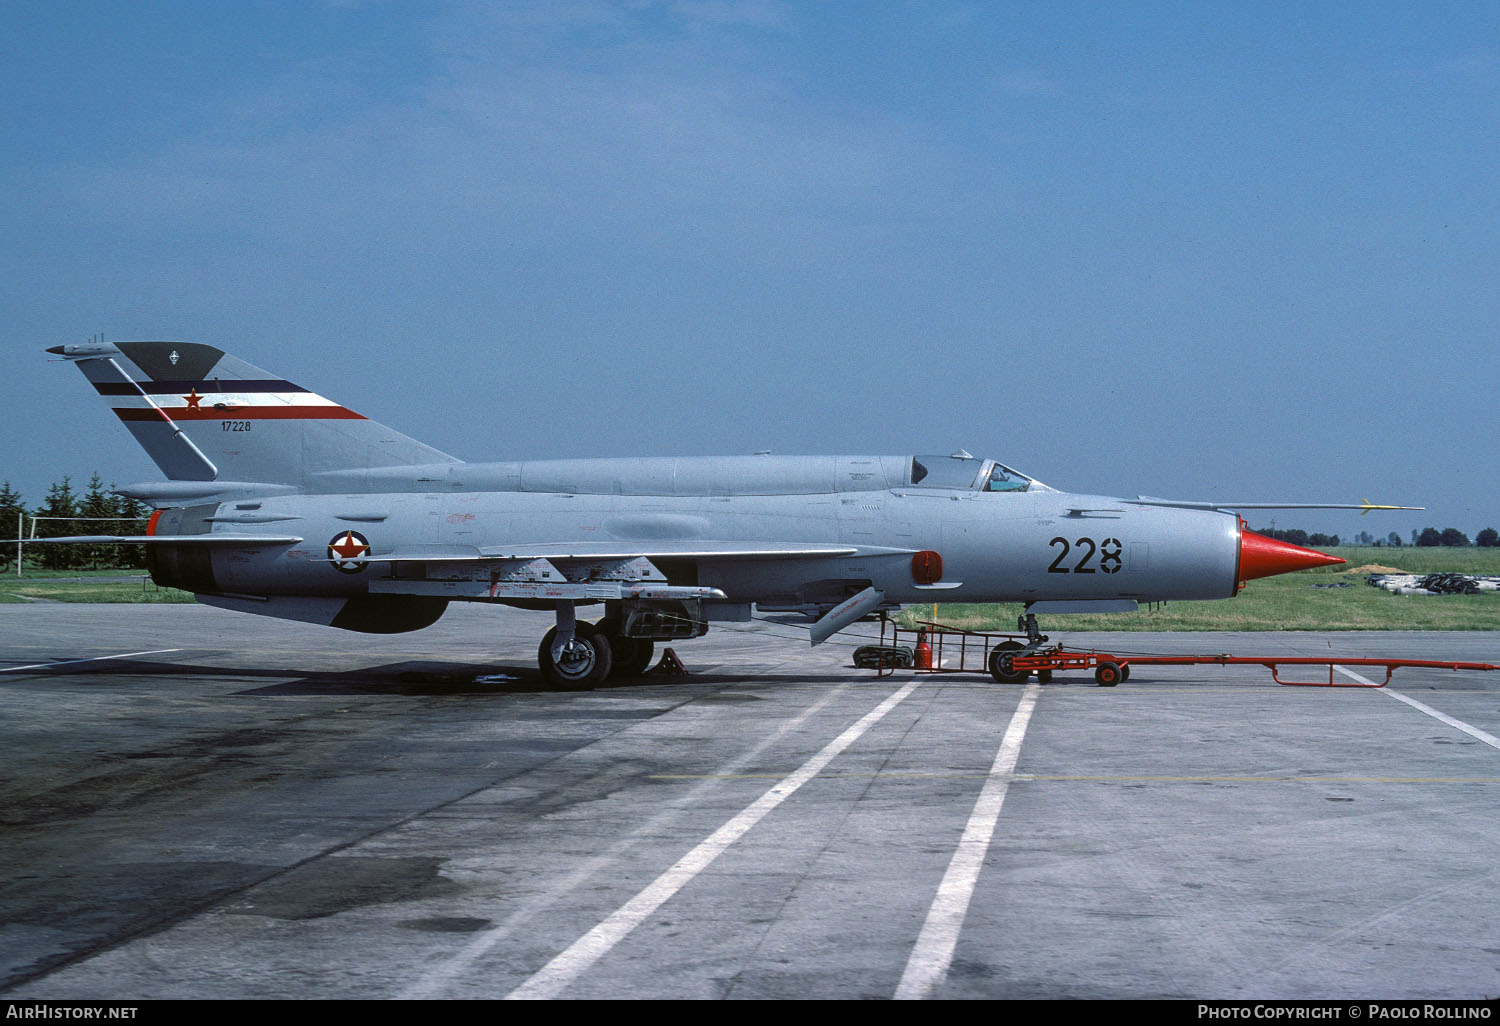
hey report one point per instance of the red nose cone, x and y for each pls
(1266, 557)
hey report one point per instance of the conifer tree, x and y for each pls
(136, 513)
(61, 503)
(12, 516)
(98, 508)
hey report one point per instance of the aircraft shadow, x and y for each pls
(411, 677)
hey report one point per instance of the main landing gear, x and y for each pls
(577, 658)
(577, 655)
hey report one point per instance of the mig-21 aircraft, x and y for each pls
(283, 503)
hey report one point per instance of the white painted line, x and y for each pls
(552, 978)
(95, 659)
(434, 983)
(1475, 732)
(929, 960)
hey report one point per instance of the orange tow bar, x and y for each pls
(1109, 669)
(1013, 658)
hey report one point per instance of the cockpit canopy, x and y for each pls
(969, 473)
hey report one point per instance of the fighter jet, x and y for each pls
(286, 504)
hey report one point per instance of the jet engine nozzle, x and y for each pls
(1266, 557)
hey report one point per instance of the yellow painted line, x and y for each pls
(1264, 780)
(1046, 778)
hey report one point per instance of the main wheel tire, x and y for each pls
(1108, 674)
(631, 656)
(1000, 665)
(582, 664)
(641, 651)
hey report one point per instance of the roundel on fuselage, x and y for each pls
(347, 551)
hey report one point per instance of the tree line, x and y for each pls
(1427, 537)
(64, 512)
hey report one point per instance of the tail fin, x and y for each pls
(202, 415)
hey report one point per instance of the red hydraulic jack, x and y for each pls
(1013, 658)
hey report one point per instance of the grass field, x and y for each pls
(85, 586)
(1290, 602)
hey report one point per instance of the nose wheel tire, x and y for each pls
(579, 664)
(1000, 663)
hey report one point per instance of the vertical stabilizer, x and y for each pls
(203, 415)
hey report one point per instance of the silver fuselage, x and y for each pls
(1038, 544)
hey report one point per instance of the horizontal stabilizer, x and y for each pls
(167, 493)
(239, 540)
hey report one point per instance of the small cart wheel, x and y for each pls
(1108, 674)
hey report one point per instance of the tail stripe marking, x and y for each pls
(221, 399)
(177, 413)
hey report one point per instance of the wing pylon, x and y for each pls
(577, 571)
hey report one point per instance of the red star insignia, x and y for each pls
(349, 547)
(193, 399)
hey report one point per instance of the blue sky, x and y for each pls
(1196, 250)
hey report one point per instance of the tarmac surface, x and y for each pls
(200, 804)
